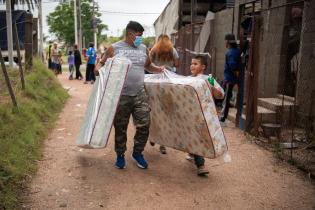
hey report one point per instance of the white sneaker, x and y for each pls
(189, 157)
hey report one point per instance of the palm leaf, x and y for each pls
(30, 3)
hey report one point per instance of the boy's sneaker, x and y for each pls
(202, 171)
(189, 157)
(120, 162)
(138, 157)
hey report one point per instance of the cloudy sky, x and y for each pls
(116, 13)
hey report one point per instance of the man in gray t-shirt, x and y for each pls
(134, 100)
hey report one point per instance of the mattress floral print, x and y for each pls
(183, 115)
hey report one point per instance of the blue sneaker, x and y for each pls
(120, 162)
(141, 163)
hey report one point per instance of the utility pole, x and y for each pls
(94, 26)
(75, 23)
(40, 24)
(9, 32)
(80, 26)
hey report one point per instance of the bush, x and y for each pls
(23, 129)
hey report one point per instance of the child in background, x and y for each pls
(197, 68)
(71, 64)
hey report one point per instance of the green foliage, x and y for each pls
(22, 130)
(61, 21)
(149, 41)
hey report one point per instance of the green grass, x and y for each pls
(23, 129)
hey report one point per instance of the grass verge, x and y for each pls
(23, 129)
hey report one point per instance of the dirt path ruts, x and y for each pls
(73, 178)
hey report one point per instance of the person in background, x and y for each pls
(91, 59)
(164, 54)
(48, 55)
(77, 63)
(232, 69)
(55, 59)
(197, 68)
(71, 64)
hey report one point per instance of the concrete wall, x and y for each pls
(271, 57)
(305, 94)
(271, 36)
(222, 24)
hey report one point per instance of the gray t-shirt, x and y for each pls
(169, 65)
(135, 76)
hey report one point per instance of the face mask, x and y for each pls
(138, 41)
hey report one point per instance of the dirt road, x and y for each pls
(73, 178)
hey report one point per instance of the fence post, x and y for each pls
(17, 45)
(7, 80)
(251, 123)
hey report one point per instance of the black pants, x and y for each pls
(78, 74)
(199, 160)
(226, 101)
(89, 75)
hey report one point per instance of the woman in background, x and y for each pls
(164, 54)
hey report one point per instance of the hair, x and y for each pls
(75, 46)
(230, 38)
(91, 44)
(134, 26)
(233, 45)
(70, 52)
(202, 59)
(163, 49)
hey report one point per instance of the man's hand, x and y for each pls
(108, 54)
(97, 68)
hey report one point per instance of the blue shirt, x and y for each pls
(232, 64)
(91, 53)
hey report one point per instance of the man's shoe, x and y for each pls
(138, 157)
(202, 171)
(152, 143)
(120, 162)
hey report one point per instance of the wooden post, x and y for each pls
(17, 45)
(28, 41)
(7, 80)
(251, 123)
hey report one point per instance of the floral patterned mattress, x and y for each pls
(183, 115)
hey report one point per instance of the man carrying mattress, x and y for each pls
(134, 100)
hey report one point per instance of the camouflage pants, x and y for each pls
(138, 107)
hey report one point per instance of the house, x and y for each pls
(280, 40)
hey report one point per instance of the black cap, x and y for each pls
(230, 38)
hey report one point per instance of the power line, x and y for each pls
(130, 13)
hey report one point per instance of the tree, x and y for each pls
(149, 41)
(61, 21)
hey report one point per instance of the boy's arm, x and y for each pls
(217, 90)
